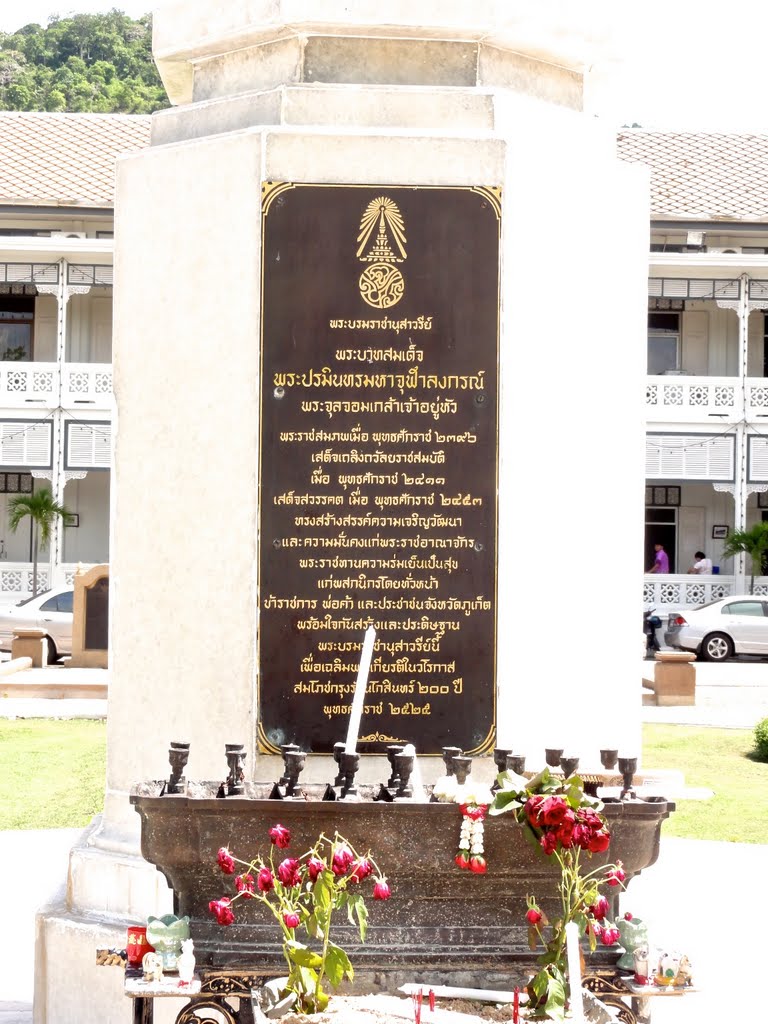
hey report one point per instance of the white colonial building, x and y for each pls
(706, 392)
(56, 404)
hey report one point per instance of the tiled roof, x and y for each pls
(65, 159)
(702, 175)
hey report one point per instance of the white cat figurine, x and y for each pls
(185, 964)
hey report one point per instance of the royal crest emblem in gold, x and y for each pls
(382, 231)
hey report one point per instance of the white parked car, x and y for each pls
(51, 611)
(716, 631)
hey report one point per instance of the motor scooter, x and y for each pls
(651, 622)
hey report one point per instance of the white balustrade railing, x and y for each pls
(676, 592)
(693, 398)
(16, 579)
(87, 384)
(22, 384)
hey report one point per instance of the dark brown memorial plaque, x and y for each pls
(97, 615)
(378, 467)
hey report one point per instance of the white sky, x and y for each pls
(687, 64)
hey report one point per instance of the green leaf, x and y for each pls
(362, 918)
(312, 927)
(337, 965)
(302, 955)
(308, 979)
(555, 1005)
(505, 800)
(322, 892)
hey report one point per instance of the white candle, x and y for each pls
(358, 700)
(574, 971)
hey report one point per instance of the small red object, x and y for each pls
(516, 1006)
(417, 998)
(137, 945)
(431, 1000)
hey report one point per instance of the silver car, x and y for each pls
(716, 631)
(51, 611)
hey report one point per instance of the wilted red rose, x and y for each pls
(549, 843)
(280, 836)
(582, 834)
(265, 880)
(226, 861)
(221, 910)
(534, 915)
(599, 841)
(462, 859)
(553, 810)
(565, 829)
(593, 928)
(244, 884)
(288, 871)
(627, 916)
(478, 865)
(314, 866)
(381, 890)
(610, 936)
(599, 908)
(360, 869)
(292, 919)
(341, 860)
(616, 875)
(532, 808)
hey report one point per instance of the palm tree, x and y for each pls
(753, 542)
(43, 510)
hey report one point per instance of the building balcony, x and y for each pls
(678, 397)
(82, 384)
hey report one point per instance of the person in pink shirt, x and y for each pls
(661, 562)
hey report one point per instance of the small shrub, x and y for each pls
(761, 739)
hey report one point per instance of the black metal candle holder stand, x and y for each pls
(449, 753)
(552, 756)
(608, 759)
(178, 755)
(286, 748)
(338, 750)
(568, 766)
(404, 770)
(500, 755)
(516, 763)
(294, 766)
(349, 767)
(393, 750)
(235, 752)
(627, 767)
(462, 767)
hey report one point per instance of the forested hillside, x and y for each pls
(99, 63)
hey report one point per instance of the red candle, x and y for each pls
(516, 1006)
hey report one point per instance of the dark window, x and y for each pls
(59, 603)
(17, 314)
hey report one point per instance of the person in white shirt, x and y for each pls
(702, 564)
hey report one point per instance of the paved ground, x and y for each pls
(703, 898)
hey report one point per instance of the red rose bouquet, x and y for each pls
(566, 825)
(303, 893)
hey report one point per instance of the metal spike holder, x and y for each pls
(235, 785)
(178, 755)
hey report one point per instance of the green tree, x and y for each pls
(753, 542)
(82, 57)
(43, 510)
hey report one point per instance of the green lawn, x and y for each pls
(52, 776)
(51, 772)
(716, 759)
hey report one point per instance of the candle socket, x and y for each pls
(569, 765)
(516, 763)
(294, 766)
(552, 756)
(462, 767)
(349, 766)
(404, 769)
(392, 751)
(500, 755)
(235, 753)
(178, 755)
(448, 755)
(627, 767)
(285, 748)
(338, 750)
(608, 759)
